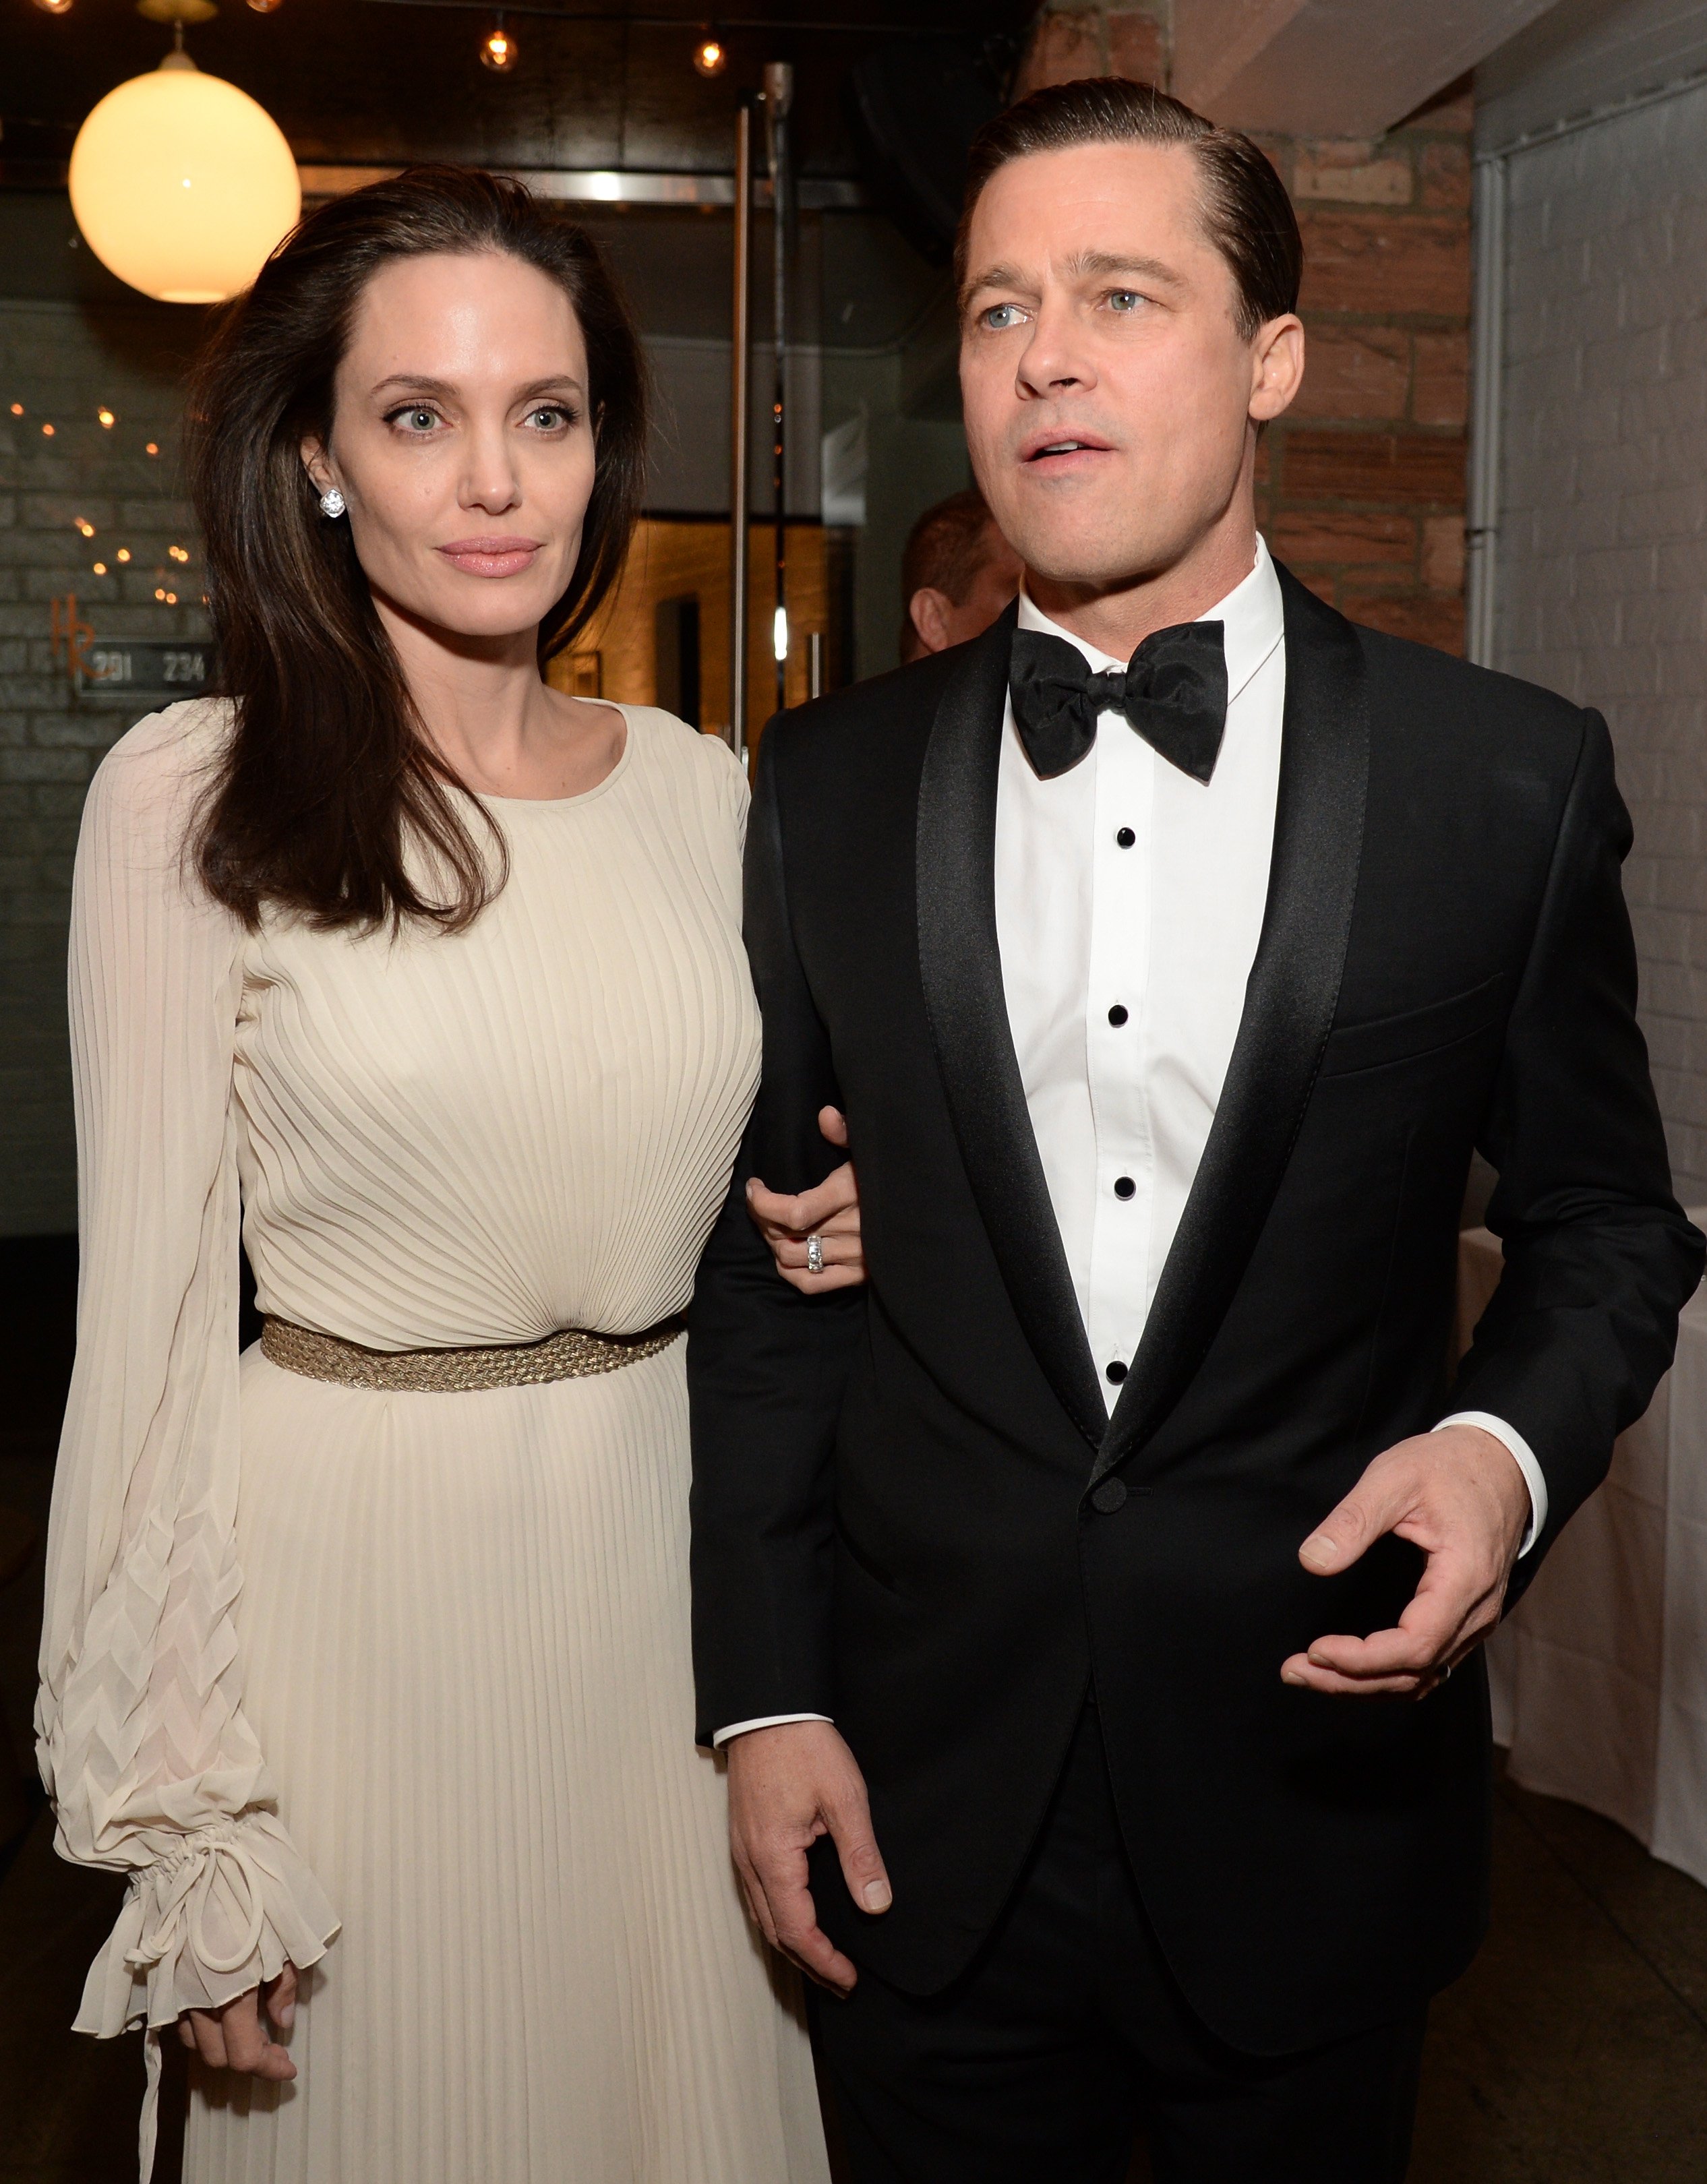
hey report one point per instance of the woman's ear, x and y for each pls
(314, 462)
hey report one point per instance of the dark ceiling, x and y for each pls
(361, 81)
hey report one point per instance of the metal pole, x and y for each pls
(779, 90)
(815, 664)
(1487, 340)
(740, 365)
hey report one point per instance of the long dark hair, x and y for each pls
(327, 783)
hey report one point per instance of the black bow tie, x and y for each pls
(1174, 692)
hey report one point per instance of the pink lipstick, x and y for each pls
(491, 557)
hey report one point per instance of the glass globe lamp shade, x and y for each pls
(183, 185)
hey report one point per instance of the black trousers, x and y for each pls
(1068, 2036)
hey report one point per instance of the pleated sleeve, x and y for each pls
(144, 1744)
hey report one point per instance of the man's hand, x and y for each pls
(235, 2037)
(1459, 1495)
(831, 1213)
(788, 1785)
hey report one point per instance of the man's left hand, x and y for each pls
(1459, 1496)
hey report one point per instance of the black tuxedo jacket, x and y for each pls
(912, 1512)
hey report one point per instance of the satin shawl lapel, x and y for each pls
(1289, 1007)
(960, 964)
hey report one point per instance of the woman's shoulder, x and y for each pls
(166, 756)
(703, 763)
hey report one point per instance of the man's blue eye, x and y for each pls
(1125, 299)
(1000, 316)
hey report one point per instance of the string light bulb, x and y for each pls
(709, 57)
(54, 6)
(498, 48)
(264, 7)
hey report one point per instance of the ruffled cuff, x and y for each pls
(202, 1925)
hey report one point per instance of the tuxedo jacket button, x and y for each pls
(1109, 1497)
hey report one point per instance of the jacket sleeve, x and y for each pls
(766, 1365)
(1599, 1259)
(144, 1745)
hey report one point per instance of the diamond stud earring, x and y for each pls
(332, 503)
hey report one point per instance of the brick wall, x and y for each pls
(62, 363)
(1362, 489)
(1601, 572)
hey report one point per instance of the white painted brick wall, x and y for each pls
(1602, 567)
(61, 362)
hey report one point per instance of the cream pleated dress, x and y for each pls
(397, 1685)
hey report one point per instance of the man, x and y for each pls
(1049, 1589)
(957, 572)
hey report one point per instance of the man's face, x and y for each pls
(1108, 393)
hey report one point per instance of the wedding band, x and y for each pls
(815, 1255)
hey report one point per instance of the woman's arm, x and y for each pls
(143, 1744)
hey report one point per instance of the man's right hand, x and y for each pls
(788, 1785)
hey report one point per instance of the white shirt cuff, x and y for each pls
(1523, 1455)
(764, 1721)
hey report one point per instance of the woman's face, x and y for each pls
(462, 442)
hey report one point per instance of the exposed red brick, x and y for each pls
(1387, 264)
(1355, 373)
(1062, 48)
(1347, 173)
(1445, 173)
(1440, 392)
(1443, 553)
(1305, 538)
(1137, 47)
(1427, 618)
(1409, 469)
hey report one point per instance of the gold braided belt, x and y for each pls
(571, 1354)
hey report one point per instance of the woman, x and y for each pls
(436, 975)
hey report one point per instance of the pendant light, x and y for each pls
(183, 185)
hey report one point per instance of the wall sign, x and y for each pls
(179, 667)
(177, 664)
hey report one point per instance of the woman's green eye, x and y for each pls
(548, 420)
(419, 421)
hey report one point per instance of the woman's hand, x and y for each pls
(831, 1213)
(235, 2038)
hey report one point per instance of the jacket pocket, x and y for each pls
(1416, 1033)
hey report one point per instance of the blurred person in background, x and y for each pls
(957, 572)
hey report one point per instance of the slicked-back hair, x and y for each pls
(328, 799)
(1246, 214)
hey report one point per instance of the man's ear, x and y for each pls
(930, 610)
(1277, 368)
